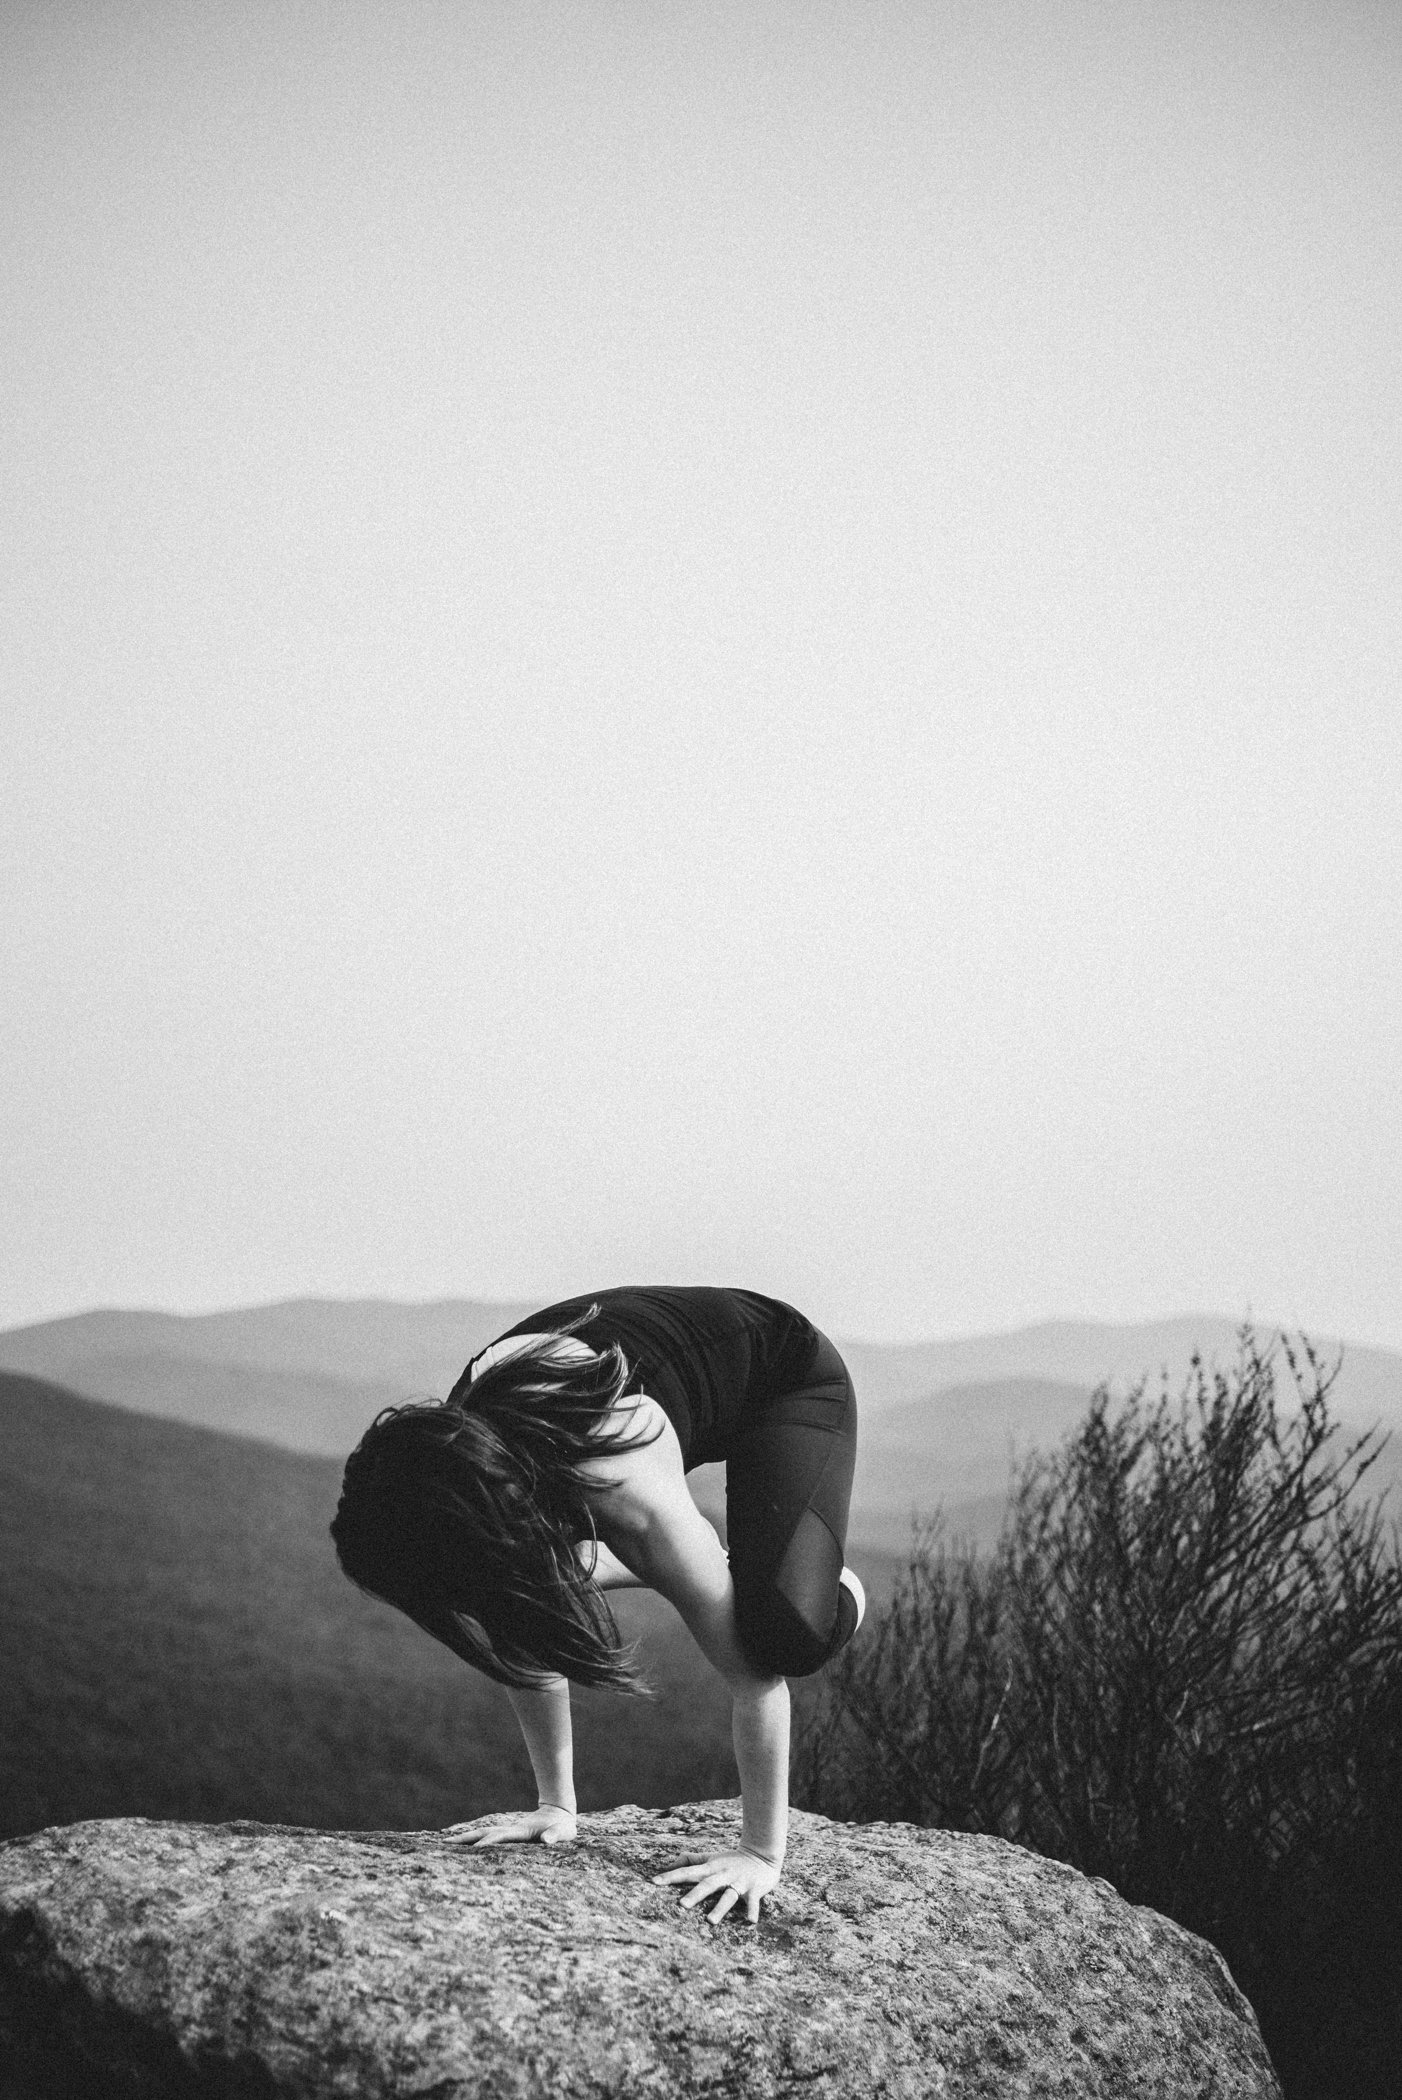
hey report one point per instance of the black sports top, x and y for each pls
(708, 1357)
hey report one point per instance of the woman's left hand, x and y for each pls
(737, 1875)
(546, 1825)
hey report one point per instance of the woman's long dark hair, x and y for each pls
(465, 1513)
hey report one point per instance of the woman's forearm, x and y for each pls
(760, 1730)
(544, 1716)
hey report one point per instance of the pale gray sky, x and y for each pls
(704, 643)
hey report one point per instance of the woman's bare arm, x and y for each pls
(659, 1532)
(544, 1715)
(687, 1564)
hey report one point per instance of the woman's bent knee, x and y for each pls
(779, 1642)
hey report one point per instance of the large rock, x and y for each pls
(172, 1958)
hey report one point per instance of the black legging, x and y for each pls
(788, 1483)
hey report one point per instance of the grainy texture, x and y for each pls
(251, 1959)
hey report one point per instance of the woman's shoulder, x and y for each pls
(638, 1469)
(638, 1435)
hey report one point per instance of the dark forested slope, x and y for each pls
(176, 1640)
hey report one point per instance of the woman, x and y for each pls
(555, 1470)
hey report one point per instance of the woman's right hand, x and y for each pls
(546, 1825)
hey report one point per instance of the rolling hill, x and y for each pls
(309, 1374)
(955, 1450)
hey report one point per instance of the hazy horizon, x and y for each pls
(713, 645)
(1207, 1317)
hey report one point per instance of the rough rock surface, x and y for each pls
(249, 1959)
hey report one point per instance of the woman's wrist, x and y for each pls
(771, 1859)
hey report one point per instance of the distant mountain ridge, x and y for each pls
(307, 1373)
(940, 1420)
(362, 1340)
(1089, 1352)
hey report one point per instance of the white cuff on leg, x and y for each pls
(852, 1582)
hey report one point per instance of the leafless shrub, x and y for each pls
(1181, 1669)
(913, 1727)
